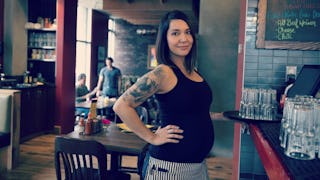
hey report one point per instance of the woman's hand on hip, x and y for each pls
(167, 134)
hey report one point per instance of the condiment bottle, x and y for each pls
(95, 125)
(99, 119)
(81, 125)
(88, 128)
(93, 109)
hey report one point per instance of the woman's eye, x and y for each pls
(188, 32)
(175, 33)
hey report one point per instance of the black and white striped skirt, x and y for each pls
(157, 169)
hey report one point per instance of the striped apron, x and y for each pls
(157, 169)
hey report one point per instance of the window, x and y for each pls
(83, 43)
(111, 37)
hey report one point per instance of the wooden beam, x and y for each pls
(147, 5)
(147, 12)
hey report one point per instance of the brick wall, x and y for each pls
(131, 50)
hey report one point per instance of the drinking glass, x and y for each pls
(301, 133)
(316, 118)
(243, 103)
(258, 104)
(286, 119)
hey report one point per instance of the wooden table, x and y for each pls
(103, 107)
(116, 143)
(101, 104)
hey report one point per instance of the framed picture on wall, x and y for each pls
(152, 60)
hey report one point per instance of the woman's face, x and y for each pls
(179, 38)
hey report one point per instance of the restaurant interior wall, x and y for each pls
(265, 68)
(15, 37)
(218, 48)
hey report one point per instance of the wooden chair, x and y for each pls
(143, 114)
(9, 129)
(83, 160)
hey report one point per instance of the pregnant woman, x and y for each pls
(180, 145)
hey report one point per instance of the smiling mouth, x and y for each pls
(183, 48)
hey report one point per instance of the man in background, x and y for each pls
(82, 91)
(109, 82)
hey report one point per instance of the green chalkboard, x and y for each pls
(289, 24)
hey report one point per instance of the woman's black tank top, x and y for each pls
(187, 105)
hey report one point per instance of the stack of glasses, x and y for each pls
(300, 127)
(259, 104)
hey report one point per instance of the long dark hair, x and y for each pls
(163, 52)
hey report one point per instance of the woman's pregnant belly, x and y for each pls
(198, 137)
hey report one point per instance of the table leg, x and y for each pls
(114, 161)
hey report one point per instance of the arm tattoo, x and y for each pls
(145, 87)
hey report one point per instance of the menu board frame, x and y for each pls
(262, 42)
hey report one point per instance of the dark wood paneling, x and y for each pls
(37, 111)
(99, 37)
(41, 8)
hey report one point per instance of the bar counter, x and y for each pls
(37, 109)
(277, 165)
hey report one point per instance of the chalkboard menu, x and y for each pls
(289, 24)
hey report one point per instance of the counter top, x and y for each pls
(218, 116)
(26, 86)
(276, 163)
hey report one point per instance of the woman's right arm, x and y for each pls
(153, 82)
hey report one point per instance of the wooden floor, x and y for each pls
(37, 162)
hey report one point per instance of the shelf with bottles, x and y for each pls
(42, 39)
(36, 54)
(42, 60)
(42, 44)
(41, 29)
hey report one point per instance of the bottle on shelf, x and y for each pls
(27, 77)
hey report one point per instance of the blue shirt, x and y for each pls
(110, 81)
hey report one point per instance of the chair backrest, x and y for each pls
(143, 114)
(5, 112)
(78, 157)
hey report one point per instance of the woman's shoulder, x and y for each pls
(162, 72)
(162, 68)
(165, 77)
